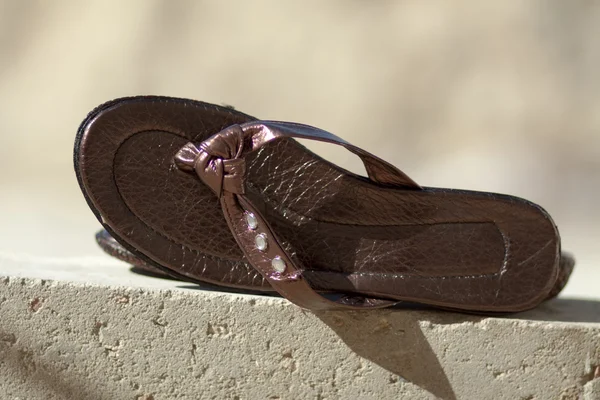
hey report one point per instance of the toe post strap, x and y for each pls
(220, 163)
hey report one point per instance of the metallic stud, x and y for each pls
(261, 242)
(278, 264)
(251, 220)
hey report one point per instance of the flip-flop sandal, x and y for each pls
(209, 194)
(115, 249)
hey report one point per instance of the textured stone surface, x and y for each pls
(158, 339)
(498, 96)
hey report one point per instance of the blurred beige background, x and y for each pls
(496, 96)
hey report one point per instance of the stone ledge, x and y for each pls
(69, 339)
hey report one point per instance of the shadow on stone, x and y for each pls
(24, 364)
(561, 310)
(152, 273)
(393, 340)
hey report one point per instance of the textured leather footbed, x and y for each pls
(458, 249)
(115, 249)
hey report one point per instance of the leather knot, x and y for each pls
(217, 161)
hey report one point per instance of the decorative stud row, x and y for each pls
(261, 242)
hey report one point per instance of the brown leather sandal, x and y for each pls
(209, 194)
(115, 249)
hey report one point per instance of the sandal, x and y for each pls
(115, 249)
(209, 194)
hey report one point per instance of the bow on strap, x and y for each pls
(217, 161)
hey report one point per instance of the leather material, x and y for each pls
(115, 249)
(456, 249)
(219, 162)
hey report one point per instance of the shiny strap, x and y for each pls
(220, 163)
